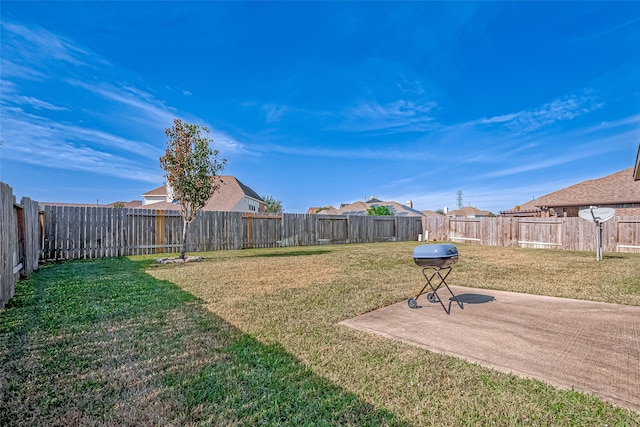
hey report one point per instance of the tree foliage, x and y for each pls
(271, 205)
(190, 165)
(378, 210)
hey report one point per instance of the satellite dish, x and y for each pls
(596, 214)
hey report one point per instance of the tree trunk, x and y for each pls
(185, 224)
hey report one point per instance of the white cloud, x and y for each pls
(273, 113)
(41, 105)
(557, 110)
(40, 47)
(399, 115)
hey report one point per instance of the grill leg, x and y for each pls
(433, 295)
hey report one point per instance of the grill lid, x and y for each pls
(437, 250)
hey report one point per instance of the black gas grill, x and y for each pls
(436, 261)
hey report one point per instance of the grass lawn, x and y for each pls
(251, 338)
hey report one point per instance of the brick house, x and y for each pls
(232, 196)
(619, 191)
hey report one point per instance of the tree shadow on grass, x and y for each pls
(102, 343)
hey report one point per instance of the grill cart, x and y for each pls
(436, 261)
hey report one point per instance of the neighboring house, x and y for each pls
(432, 214)
(619, 191)
(232, 196)
(528, 209)
(469, 212)
(360, 208)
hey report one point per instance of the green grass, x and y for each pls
(252, 338)
(103, 343)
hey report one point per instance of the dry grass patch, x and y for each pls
(300, 304)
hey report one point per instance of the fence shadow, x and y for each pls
(123, 348)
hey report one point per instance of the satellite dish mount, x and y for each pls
(598, 216)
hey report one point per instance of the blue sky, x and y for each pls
(322, 103)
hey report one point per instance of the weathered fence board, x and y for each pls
(19, 240)
(92, 232)
(620, 234)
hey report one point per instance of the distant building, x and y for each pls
(528, 209)
(618, 191)
(469, 212)
(232, 196)
(428, 213)
(360, 208)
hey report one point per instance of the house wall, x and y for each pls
(248, 205)
(148, 200)
(628, 209)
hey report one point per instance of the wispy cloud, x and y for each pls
(273, 113)
(555, 111)
(338, 153)
(129, 97)
(528, 166)
(35, 47)
(48, 144)
(132, 114)
(397, 115)
(41, 105)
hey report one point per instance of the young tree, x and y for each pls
(271, 205)
(378, 210)
(190, 165)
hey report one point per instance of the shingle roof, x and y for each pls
(160, 191)
(614, 189)
(468, 211)
(432, 213)
(360, 208)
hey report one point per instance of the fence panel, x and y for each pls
(408, 228)
(262, 231)
(627, 235)
(383, 228)
(8, 244)
(332, 229)
(540, 234)
(31, 223)
(359, 230)
(299, 230)
(465, 230)
(19, 240)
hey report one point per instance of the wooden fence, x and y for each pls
(94, 232)
(620, 234)
(20, 243)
